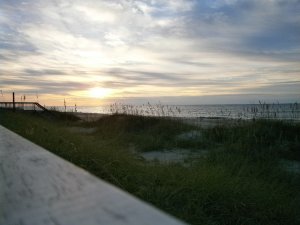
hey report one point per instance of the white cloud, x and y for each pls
(97, 14)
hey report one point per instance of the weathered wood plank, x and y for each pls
(37, 187)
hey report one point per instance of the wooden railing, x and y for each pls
(33, 106)
(38, 187)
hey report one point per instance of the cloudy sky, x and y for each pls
(174, 51)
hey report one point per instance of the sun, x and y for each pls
(98, 92)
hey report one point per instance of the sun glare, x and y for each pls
(99, 92)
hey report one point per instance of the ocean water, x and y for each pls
(243, 111)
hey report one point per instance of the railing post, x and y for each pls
(14, 106)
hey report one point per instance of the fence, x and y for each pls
(33, 106)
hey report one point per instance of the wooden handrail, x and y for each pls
(40, 106)
(11, 104)
(40, 188)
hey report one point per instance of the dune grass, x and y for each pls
(240, 180)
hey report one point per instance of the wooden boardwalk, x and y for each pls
(39, 188)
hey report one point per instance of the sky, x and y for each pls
(95, 52)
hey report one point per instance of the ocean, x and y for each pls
(236, 111)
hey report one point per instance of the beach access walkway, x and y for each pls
(39, 188)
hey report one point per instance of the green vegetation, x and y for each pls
(241, 180)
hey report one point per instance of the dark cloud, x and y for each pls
(142, 76)
(5, 58)
(130, 78)
(284, 36)
(276, 88)
(44, 87)
(247, 27)
(33, 72)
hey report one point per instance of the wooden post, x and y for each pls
(14, 106)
